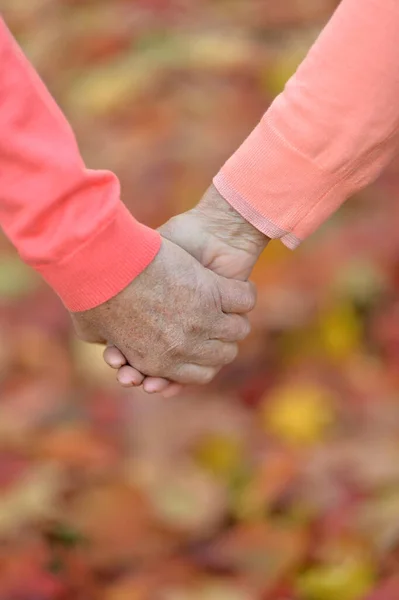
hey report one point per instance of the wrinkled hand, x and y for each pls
(221, 240)
(173, 320)
(217, 236)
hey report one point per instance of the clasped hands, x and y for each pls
(180, 320)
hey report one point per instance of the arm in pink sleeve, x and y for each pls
(329, 134)
(66, 221)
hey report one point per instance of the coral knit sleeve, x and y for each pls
(66, 221)
(329, 133)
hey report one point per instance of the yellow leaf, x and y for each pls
(298, 414)
(348, 581)
(340, 331)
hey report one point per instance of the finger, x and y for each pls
(128, 376)
(232, 328)
(114, 357)
(192, 374)
(155, 385)
(237, 296)
(215, 353)
(172, 390)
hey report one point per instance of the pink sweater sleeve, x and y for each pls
(66, 221)
(329, 134)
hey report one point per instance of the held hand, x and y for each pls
(173, 320)
(220, 239)
(217, 236)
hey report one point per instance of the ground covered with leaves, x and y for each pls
(280, 481)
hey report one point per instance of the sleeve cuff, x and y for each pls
(105, 265)
(277, 189)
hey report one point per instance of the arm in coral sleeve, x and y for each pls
(66, 221)
(329, 134)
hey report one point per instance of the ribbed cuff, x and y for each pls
(105, 265)
(277, 189)
(250, 214)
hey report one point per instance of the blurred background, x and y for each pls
(280, 481)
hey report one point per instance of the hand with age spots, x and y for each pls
(221, 240)
(176, 320)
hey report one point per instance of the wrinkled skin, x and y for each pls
(173, 321)
(221, 240)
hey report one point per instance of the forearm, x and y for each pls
(66, 221)
(329, 134)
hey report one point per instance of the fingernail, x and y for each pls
(125, 381)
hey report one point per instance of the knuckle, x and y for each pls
(227, 330)
(215, 297)
(240, 328)
(184, 374)
(249, 301)
(207, 375)
(245, 328)
(225, 355)
(231, 354)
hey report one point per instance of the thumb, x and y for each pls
(185, 232)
